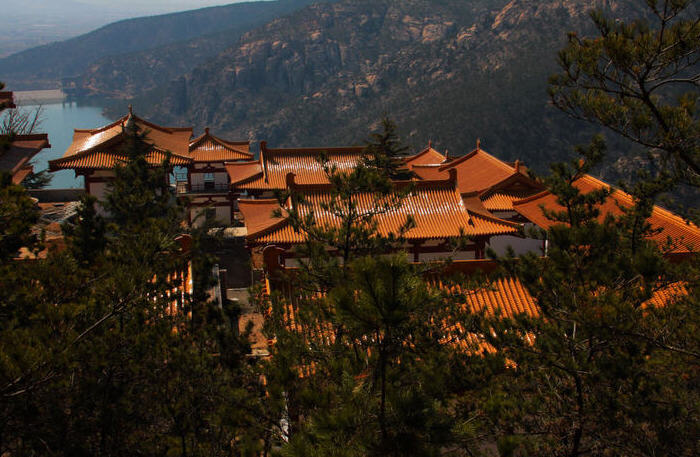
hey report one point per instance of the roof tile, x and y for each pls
(435, 206)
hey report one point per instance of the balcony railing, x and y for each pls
(206, 188)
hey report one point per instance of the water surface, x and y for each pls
(59, 120)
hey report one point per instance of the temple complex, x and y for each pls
(452, 207)
(439, 216)
(475, 201)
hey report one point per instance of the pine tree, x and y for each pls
(640, 79)
(600, 368)
(603, 370)
(358, 365)
(100, 353)
(384, 152)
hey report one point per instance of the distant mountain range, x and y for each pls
(197, 34)
(302, 74)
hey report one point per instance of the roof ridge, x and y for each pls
(426, 165)
(251, 201)
(660, 210)
(426, 150)
(250, 162)
(473, 153)
(319, 149)
(495, 218)
(531, 197)
(104, 128)
(223, 143)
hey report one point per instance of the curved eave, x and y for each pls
(106, 161)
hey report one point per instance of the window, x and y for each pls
(208, 181)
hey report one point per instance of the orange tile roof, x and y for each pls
(427, 156)
(667, 294)
(437, 208)
(499, 183)
(21, 150)
(505, 297)
(92, 145)
(258, 214)
(479, 170)
(498, 297)
(685, 235)
(96, 160)
(503, 200)
(209, 148)
(270, 171)
(7, 100)
(429, 171)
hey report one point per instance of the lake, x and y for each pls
(59, 120)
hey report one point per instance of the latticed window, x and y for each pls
(209, 180)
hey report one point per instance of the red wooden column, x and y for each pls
(416, 250)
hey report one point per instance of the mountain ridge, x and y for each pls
(44, 66)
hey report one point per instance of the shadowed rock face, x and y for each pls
(446, 70)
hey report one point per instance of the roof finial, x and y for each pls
(206, 130)
(430, 144)
(517, 165)
(129, 124)
(478, 143)
(447, 154)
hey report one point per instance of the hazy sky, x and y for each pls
(157, 5)
(27, 23)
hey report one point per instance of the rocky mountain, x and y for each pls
(120, 49)
(446, 70)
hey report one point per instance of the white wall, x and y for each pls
(223, 213)
(520, 245)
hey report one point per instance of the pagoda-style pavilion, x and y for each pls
(207, 184)
(19, 153)
(94, 153)
(684, 236)
(438, 210)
